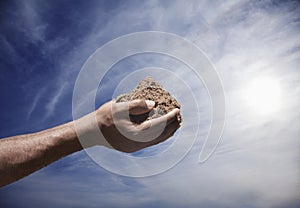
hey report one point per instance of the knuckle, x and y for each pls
(138, 103)
(145, 126)
(135, 103)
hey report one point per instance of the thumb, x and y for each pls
(136, 107)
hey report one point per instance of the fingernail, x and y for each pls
(176, 110)
(150, 103)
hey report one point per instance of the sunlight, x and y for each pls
(263, 95)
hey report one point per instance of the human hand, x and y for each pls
(23, 154)
(126, 136)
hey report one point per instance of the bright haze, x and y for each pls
(255, 48)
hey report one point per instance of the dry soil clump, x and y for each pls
(148, 89)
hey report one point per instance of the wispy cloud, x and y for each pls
(33, 27)
(54, 100)
(35, 101)
(256, 163)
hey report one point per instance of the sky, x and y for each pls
(253, 45)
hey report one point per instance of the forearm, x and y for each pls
(24, 154)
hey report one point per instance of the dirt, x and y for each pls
(148, 89)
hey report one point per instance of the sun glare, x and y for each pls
(263, 95)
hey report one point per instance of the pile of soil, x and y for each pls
(148, 89)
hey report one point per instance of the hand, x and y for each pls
(126, 136)
(24, 154)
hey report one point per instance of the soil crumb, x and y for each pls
(148, 89)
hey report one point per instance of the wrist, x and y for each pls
(88, 130)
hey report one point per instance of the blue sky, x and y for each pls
(43, 45)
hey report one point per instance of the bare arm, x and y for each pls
(24, 154)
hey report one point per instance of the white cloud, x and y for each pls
(50, 107)
(35, 101)
(256, 163)
(33, 27)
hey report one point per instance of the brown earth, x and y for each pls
(148, 89)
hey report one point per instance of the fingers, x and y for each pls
(136, 107)
(163, 120)
(167, 133)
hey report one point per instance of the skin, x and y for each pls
(23, 154)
